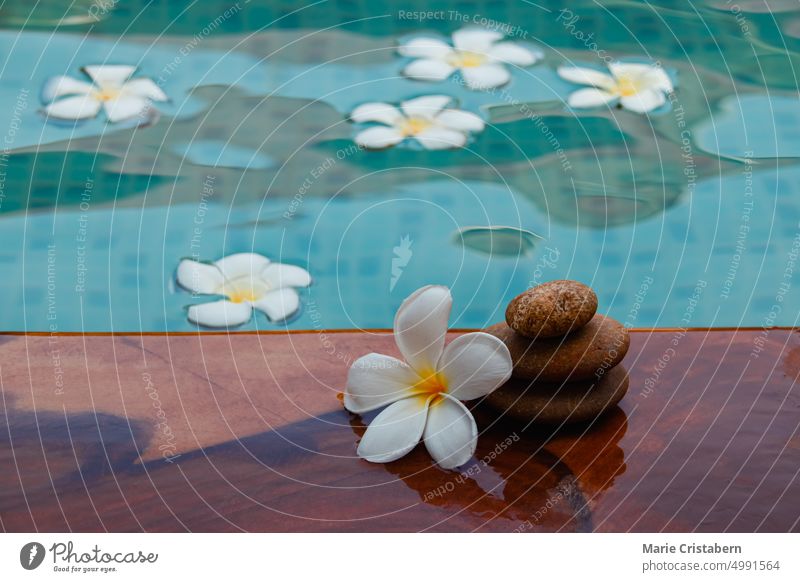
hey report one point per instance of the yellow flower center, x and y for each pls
(626, 86)
(106, 94)
(431, 383)
(242, 296)
(466, 59)
(243, 290)
(414, 125)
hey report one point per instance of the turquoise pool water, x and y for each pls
(684, 216)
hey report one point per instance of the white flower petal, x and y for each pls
(428, 70)
(629, 69)
(77, 107)
(649, 76)
(143, 87)
(486, 76)
(644, 101)
(380, 137)
(379, 112)
(428, 106)
(584, 76)
(460, 120)
(513, 54)
(475, 39)
(279, 303)
(199, 277)
(125, 107)
(376, 380)
(242, 265)
(420, 325)
(659, 79)
(395, 431)
(590, 97)
(450, 433)
(279, 275)
(441, 138)
(60, 86)
(475, 364)
(109, 75)
(220, 313)
(424, 47)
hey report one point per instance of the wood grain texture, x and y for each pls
(245, 432)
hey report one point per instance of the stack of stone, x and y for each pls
(565, 356)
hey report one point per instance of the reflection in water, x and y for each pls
(534, 479)
(50, 13)
(603, 177)
(221, 154)
(271, 135)
(792, 28)
(757, 6)
(649, 172)
(240, 141)
(39, 180)
(607, 188)
(501, 241)
(752, 126)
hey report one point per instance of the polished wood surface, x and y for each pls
(247, 432)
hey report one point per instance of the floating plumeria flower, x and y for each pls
(247, 280)
(111, 89)
(424, 119)
(475, 53)
(424, 392)
(637, 87)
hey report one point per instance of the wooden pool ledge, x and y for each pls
(244, 431)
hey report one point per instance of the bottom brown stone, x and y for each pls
(556, 403)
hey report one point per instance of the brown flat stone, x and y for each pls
(552, 309)
(556, 403)
(588, 352)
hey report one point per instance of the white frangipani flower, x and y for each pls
(70, 98)
(475, 53)
(423, 393)
(637, 87)
(248, 281)
(425, 119)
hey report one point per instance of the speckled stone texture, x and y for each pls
(552, 309)
(586, 353)
(556, 403)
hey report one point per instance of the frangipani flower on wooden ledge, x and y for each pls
(111, 89)
(247, 281)
(423, 393)
(476, 54)
(637, 87)
(427, 120)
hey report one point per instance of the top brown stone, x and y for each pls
(551, 309)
